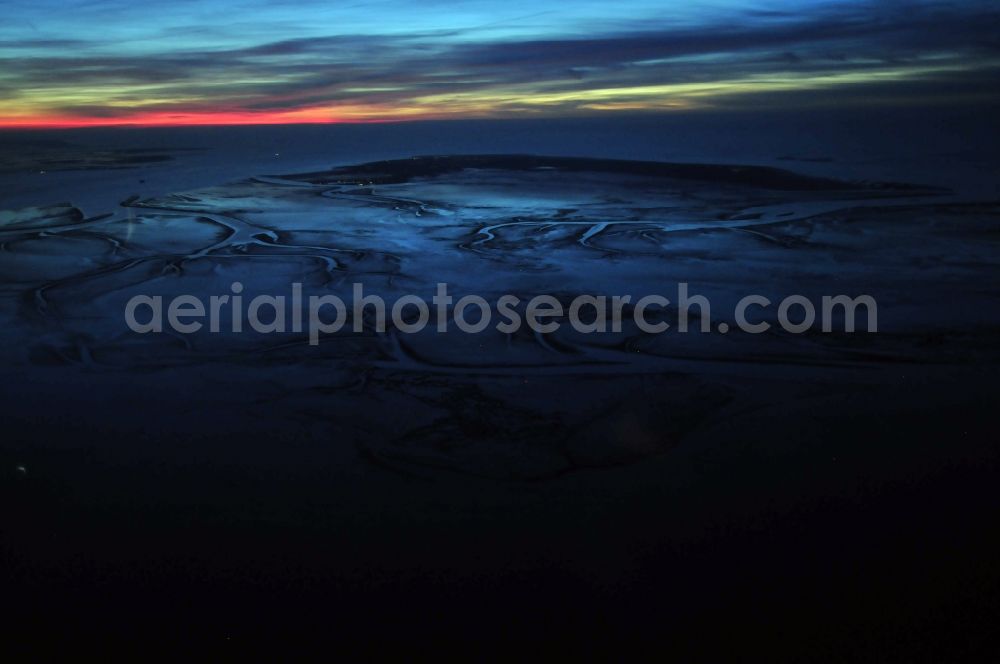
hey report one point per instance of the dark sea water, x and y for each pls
(953, 148)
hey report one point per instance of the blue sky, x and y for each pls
(109, 61)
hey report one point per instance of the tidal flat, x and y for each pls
(791, 474)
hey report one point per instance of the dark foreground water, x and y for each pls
(809, 495)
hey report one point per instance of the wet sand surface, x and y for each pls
(829, 492)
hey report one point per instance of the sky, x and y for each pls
(106, 62)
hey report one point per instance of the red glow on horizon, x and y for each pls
(163, 119)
